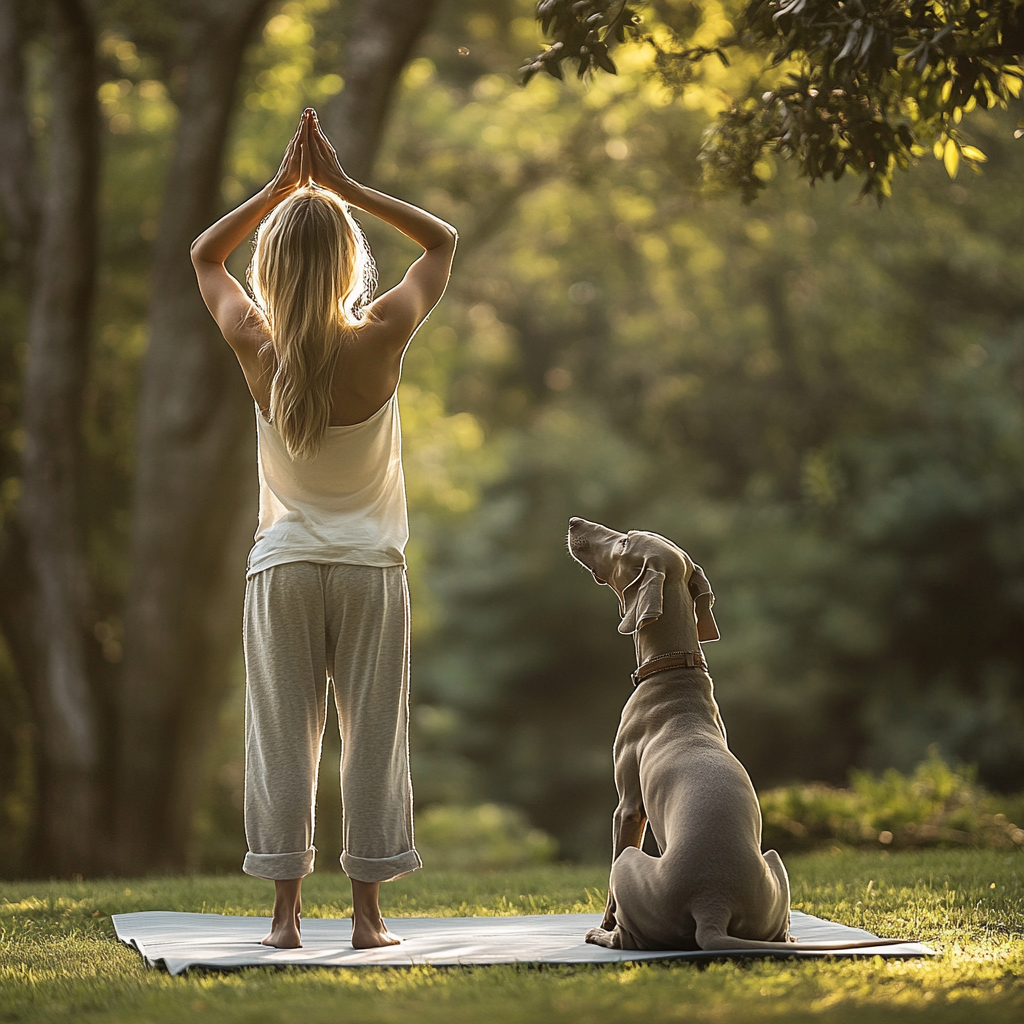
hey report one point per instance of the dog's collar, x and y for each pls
(664, 662)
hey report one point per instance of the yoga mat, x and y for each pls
(182, 941)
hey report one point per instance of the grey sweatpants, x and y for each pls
(306, 623)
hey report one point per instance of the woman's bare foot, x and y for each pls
(368, 928)
(284, 934)
(368, 936)
(284, 929)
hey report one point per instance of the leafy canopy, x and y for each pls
(858, 85)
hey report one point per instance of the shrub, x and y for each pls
(936, 805)
(486, 836)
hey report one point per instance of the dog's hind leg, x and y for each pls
(603, 937)
(620, 881)
(778, 869)
(621, 887)
(713, 921)
(635, 888)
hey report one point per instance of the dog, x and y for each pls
(711, 888)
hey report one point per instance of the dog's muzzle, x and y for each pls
(577, 542)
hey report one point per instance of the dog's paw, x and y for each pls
(603, 937)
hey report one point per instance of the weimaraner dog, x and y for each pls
(711, 888)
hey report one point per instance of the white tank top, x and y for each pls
(345, 505)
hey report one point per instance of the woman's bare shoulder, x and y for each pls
(377, 339)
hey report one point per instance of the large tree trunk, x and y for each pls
(18, 190)
(68, 806)
(381, 39)
(18, 194)
(194, 459)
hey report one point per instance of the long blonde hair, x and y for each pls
(310, 275)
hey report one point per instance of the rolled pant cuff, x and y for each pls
(379, 869)
(279, 866)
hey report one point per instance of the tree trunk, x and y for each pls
(58, 344)
(194, 477)
(17, 166)
(20, 200)
(379, 44)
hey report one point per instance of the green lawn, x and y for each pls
(59, 959)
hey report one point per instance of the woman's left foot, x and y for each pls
(284, 935)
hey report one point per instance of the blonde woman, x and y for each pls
(326, 594)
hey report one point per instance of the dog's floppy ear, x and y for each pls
(642, 600)
(703, 600)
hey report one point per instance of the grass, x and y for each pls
(59, 959)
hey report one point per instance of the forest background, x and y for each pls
(819, 398)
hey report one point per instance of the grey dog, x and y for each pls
(711, 888)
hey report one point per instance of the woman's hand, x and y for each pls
(324, 166)
(223, 294)
(295, 170)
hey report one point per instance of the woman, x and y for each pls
(326, 593)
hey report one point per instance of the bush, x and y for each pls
(486, 836)
(934, 806)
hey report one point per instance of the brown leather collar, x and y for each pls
(664, 662)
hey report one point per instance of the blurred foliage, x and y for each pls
(820, 400)
(487, 836)
(859, 86)
(934, 806)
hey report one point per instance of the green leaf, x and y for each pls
(951, 158)
(603, 61)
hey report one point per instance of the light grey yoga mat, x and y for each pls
(180, 941)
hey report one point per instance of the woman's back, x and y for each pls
(366, 373)
(347, 504)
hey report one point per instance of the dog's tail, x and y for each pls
(714, 937)
(713, 933)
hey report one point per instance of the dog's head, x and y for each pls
(635, 565)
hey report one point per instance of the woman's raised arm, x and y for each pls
(405, 306)
(225, 298)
